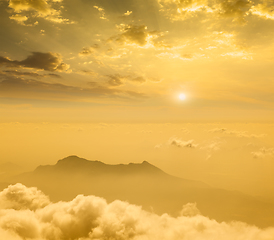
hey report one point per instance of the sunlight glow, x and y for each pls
(182, 96)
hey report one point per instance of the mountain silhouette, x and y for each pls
(75, 164)
(146, 185)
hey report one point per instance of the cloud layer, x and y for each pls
(26, 213)
(38, 8)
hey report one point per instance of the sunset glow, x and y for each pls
(136, 119)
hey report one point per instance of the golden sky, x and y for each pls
(130, 60)
(187, 85)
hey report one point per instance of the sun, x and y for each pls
(182, 96)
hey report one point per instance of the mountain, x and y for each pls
(146, 185)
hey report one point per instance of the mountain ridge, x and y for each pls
(145, 185)
(77, 164)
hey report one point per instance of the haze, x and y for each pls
(185, 85)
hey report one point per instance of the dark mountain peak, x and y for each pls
(77, 165)
(74, 162)
(71, 159)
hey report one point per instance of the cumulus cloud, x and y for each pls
(20, 197)
(90, 217)
(174, 141)
(38, 8)
(38, 60)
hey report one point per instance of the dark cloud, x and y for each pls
(89, 50)
(174, 141)
(237, 9)
(91, 217)
(38, 60)
(21, 74)
(85, 51)
(115, 80)
(118, 80)
(28, 74)
(135, 34)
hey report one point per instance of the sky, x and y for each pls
(125, 61)
(185, 85)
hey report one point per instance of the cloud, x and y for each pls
(127, 13)
(38, 60)
(136, 35)
(177, 10)
(236, 9)
(115, 80)
(211, 147)
(102, 12)
(38, 8)
(174, 141)
(28, 74)
(90, 217)
(264, 10)
(88, 50)
(240, 134)
(19, 18)
(20, 197)
(190, 210)
(263, 152)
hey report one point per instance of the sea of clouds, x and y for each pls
(27, 213)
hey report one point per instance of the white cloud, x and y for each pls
(263, 152)
(240, 134)
(20, 197)
(90, 218)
